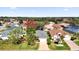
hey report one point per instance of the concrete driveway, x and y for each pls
(42, 35)
(43, 40)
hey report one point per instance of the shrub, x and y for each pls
(38, 40)
(48, 34)
(17, 42)
(30, 31)
(49, 41)
(1, 39)
(31, 43)
(73, 38)
(30, 39)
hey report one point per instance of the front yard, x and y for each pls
(6, 45)
(62, 46)
(75, 38)
(54, 46)
(77, 42)
(19, 39)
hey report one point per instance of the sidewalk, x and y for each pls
(71, 44)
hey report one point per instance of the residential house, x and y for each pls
(29, 24)
(52, 26)
(57, 34)
(57, 31)
(57, 26)
(48, 27)
(7, 23)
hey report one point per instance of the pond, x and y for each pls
(72, 28)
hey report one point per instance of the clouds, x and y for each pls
(69, 8)
(12, 8)
(39, 11)
(66, 9)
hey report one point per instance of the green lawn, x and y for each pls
(22, 46)
(77, 41)
(11, 43)
(54, 46)
(25, 46)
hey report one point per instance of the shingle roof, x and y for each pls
(56, 31)
(56, 26)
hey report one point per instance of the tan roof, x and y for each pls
(56, 31)
(56, 26)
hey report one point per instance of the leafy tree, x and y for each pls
(15, 35)
(49, 41)
(73, 38)
(30, 31)
(20, 21)
(31, 39)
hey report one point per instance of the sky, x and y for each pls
(40, 11)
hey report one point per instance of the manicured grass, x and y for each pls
(25, 46)
(26, 42)
(54, 46)
(22, 46)
(77, 41)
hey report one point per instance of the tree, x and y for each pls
(31, 39)
(49, 39)
(73, 38)
(20, 21)
(30, 31)
(76, 35)
(14, 35)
